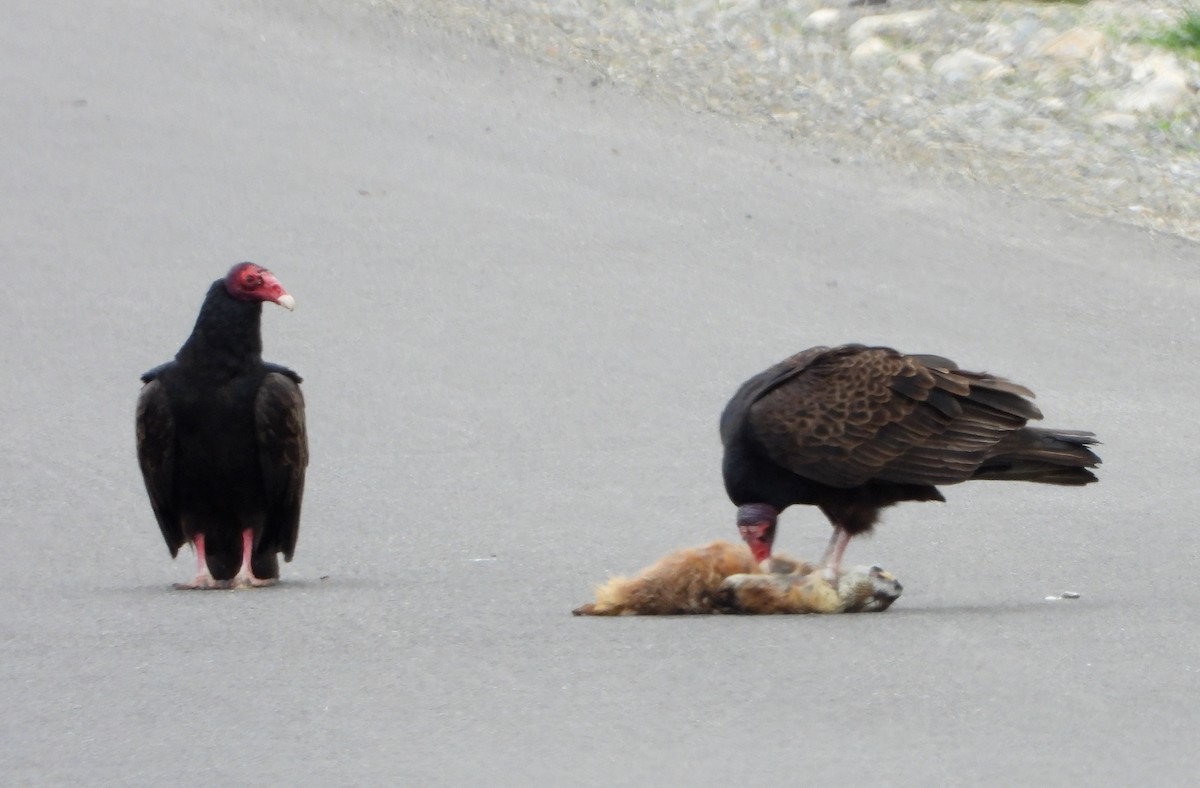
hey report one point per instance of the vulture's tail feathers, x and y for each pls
(1044, 456)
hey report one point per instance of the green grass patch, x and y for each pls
(1184, 36)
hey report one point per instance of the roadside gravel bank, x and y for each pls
(1063, 102)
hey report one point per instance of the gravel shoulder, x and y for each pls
(1057, 101)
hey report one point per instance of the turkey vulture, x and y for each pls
(853, 429)
(221, 439)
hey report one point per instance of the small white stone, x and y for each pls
(870, 50)
(967, 65)
(1157, 65)
(1164, 93)
(1052, 104)
(821, 19)
(911, 61)
(886, 24)
(1117, 120)
(1024, 30)
(1078, 43)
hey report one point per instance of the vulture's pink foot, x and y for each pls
(248, 580)
(203, 582)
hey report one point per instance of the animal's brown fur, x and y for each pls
(723, 578)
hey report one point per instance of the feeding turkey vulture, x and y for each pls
(221, 439)
(854, 429)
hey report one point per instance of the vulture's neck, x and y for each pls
(227, 336)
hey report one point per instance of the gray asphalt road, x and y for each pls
(522, 302)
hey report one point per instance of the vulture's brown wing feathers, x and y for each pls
(156, 456)
(283, 455)
(736, 413)
(854, 414)
(930, 360)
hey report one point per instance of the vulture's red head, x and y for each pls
(756, 523)
(250, 282)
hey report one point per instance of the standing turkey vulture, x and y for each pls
(221, 439)
(853, 429)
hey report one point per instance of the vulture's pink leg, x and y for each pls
(204, 578)
(245, 576)
(833, 554)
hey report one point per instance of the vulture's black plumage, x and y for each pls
(221, 439)
(853, 429)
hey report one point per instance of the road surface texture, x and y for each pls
(522, 303)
